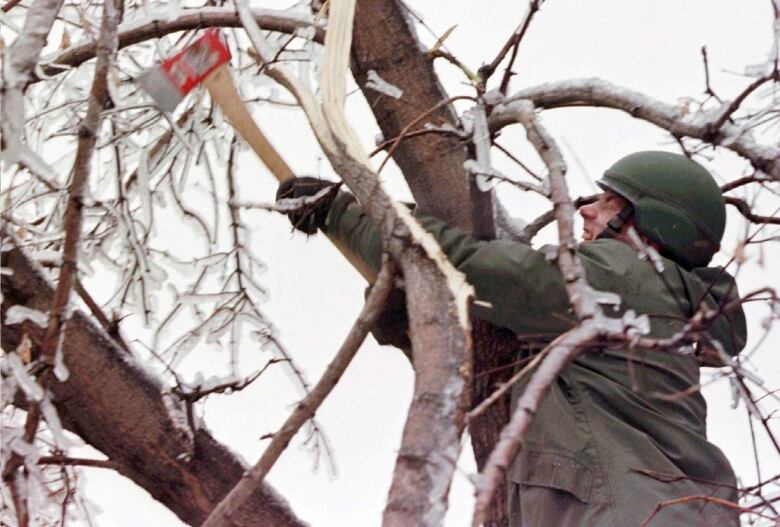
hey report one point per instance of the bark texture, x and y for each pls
(385, 41)
(433, 167)
(116, 406)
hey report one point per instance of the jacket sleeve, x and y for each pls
(516, 286)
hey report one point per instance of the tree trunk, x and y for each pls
(433, 168)
(385, 41)
(120, 409)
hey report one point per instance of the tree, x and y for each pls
(116, 200)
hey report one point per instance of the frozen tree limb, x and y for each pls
(116, 406)
(600, 93)
(49, 349)
(159, 25)
(88, 132)
(19, 60)
(305, 410)
(441, 350)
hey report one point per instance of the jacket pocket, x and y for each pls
(552, 471)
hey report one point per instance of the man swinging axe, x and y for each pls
(621, 430)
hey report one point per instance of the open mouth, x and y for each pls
(586, 235)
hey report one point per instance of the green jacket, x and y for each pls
(614, 418)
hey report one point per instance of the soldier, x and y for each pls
(621, 430)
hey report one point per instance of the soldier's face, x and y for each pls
(597, 214)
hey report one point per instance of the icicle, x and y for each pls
(55, 426)
(60, 370)
(28, 384)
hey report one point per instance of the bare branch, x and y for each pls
(747, 211)
(566, 347)
(706, 499)
(513, 43)
(414, 122)
(306, 409)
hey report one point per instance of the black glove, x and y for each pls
(310, 216)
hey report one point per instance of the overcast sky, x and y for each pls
(653, 47)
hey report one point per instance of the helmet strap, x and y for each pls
(615, 225)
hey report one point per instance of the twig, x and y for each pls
(745, 209)
(671, 478)
(410, 125)
(513, 43)
(308, 406)
(232, 386)
(426, 130)
(449, 57)
(708, 499)
(735, 104)
(111, 327)
(77, 461)
(707, 87)
(739, 182)
(533, 228)
(514, 158)
(505, 386)
(10, 4)
(157, 25)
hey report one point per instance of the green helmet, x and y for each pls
(676, 203)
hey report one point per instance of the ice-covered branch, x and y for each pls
(50, 350)
(306, 409)
(88, 132)
(600, 93)
(159, 25)
(441, 351)
(19, 60)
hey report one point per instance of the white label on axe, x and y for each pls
(169, 82)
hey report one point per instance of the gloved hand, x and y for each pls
(310, 216)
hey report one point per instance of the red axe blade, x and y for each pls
(169, 82)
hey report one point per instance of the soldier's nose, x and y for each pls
(588, 212)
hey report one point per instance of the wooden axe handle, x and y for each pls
(222, 90)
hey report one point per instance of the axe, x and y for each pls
(205, 61)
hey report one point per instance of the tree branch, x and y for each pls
(513, 43)
(18, 67)
(599, 93)
(161, 25)
(745, 209)
(436, 291)
(305, 410)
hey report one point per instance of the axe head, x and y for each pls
(169, 82)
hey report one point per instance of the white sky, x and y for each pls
(653, 47)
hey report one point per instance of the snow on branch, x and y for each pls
(431, 280)
(157, 25)
(708, 127)
(19, 60)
